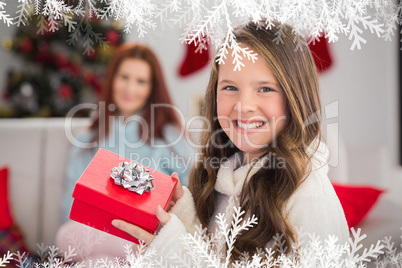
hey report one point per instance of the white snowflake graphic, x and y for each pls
(205, 249)
(6, 259)
(6, 18)
(212, 21)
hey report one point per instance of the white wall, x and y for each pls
(365, 82)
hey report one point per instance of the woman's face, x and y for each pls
(251, 106)
(131, 86)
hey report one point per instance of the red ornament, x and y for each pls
(43, 47)
(6, 95)
(113, 37)
(43, 58)
(65, 91)
(26, 45)
(60, 60)
(74, 69)
(92, 79)
(90, 54)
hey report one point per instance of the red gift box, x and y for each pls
(98, 200)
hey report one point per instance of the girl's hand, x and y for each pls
(177, 192)
(138, 232)
(162, 216)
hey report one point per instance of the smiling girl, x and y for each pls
(267, 112)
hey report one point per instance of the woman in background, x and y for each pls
(135, 119)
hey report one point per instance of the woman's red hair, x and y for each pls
(159, 93)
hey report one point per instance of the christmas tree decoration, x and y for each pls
(57, 70)
(7, 44)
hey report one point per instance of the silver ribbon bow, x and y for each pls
(133, 177)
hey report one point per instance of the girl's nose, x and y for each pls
(246, 103)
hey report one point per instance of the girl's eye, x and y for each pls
(266, 89)
(230, 88)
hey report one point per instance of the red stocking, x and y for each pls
(321, 54)
(193, 61)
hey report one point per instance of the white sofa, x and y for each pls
(36, 151)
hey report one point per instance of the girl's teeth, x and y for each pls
(249, 126)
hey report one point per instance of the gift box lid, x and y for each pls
(96, 188)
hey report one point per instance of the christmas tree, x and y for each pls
(60, 67)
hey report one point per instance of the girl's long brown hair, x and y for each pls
(265, 194)
(159, 94)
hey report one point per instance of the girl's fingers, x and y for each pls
(162, 215)
(170, 205)
(139, 233)
(178, 190)
(134, 231)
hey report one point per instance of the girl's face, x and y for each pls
(131, 86)
(251, 106)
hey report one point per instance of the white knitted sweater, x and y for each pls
(314, 206)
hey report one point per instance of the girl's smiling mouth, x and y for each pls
(248, 124)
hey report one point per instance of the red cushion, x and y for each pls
(356, 201)
(6, 219)
(11, 239)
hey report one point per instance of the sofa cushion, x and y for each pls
(6, 219)
(356, 201)
(11, 239)
(23, 147)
